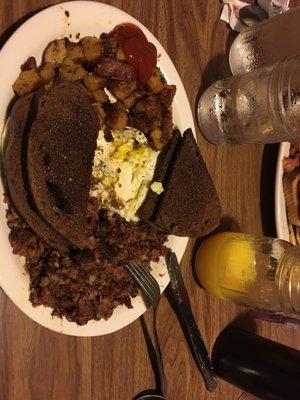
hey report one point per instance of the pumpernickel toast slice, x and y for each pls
(15, 173)
(148, 208)
(189, 205)
(61, 147)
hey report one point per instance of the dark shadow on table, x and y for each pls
(151, 353)
(245, 321)
(267, 189)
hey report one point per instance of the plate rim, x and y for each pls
(281, 221)
(171, 70)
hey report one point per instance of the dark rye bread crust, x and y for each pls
(189, 205)
(148, 208)
(15, 171)
(61, 147)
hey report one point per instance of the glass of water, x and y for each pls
(261, 106)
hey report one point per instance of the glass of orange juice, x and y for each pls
(245, 269)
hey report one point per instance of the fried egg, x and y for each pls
(123, 170)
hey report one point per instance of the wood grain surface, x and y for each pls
(37, 364)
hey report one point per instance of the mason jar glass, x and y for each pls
(262, 106)
(259, 272)
(266, 42)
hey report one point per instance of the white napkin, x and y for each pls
(231, 9)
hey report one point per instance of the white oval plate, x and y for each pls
(87, 18)
(280, 207)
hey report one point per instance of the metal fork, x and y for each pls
(151, 292)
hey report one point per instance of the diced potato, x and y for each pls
(117, 120)
(92, 48)
(120, 56)
(156, 82)
(30, 63)
(156, 136)
(122, 89)
(73, 72)
(130, 101)
(27, 82)
(101, 113)
(74, 51)
(55, 52)
(69, 61)
(93, 82)
(100, 96)
(47, 72)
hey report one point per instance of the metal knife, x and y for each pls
(182, 306)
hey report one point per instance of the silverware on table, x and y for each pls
(182, 306)
(151, 292)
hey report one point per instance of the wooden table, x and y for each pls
(37, 364)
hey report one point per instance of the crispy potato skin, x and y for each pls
(55, 52)
(27, 82)
(121, 90)
(47, 72)
(156, 82)
(71, 71)
(75, 51)
(93, 82)
(92, 49)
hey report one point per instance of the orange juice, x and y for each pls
(259, 272)
(225, 264)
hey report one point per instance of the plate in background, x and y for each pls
(280, 207)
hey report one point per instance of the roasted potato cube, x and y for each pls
(55, 52)
(130, 101)
(69, 61)
(134, 97)
(71, 72)
(74, 51)
(117, 120)
(27, 82)
(94, 82)
(101, 113)
(156, 82)
(92, 48)
(122, 89)
(156, 136)
(30, 63)
(47, 72)
(120, 56)
(166, 95)
(109, 45)
(100, 96)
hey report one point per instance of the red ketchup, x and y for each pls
(140, 53)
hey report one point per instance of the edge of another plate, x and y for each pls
(280, 207)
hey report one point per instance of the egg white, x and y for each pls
(124, 169)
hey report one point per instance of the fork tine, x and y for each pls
(144, 282)
(140, 282)
(148, 275)
(148, 278)
(151, 290)
(138, 278)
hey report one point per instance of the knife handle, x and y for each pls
(201, 355)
